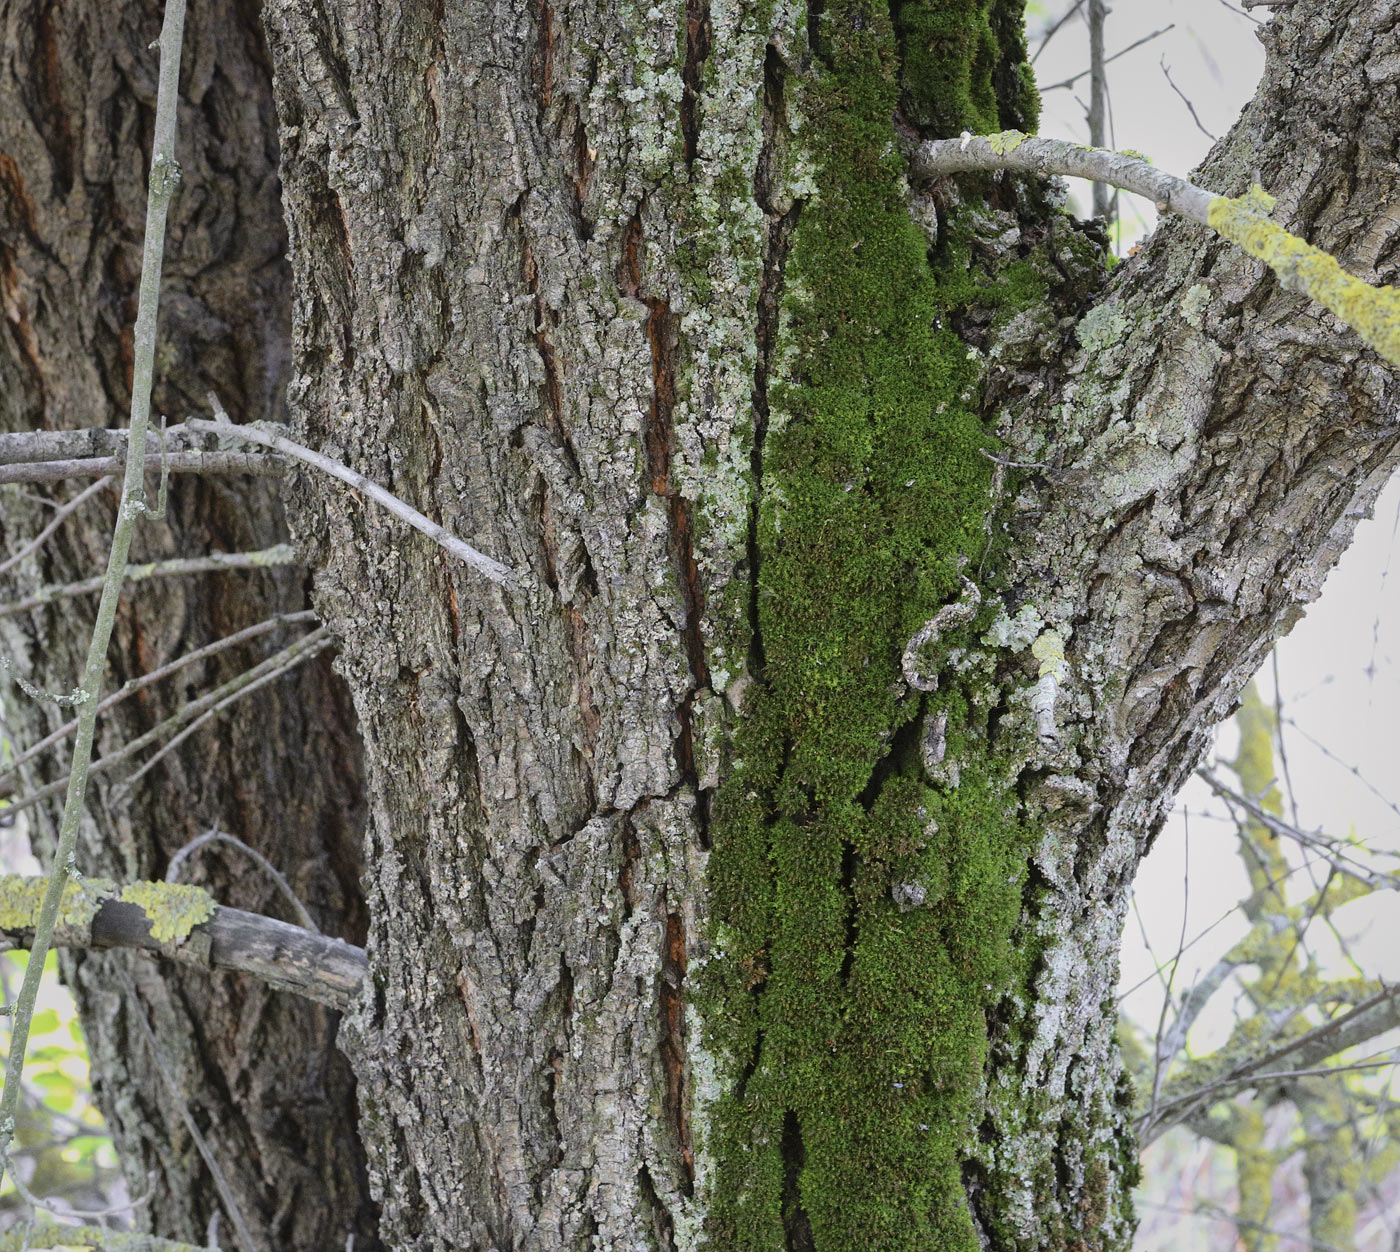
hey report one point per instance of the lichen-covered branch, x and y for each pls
(184, 924)
(1373, 312)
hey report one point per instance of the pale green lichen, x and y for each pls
(1101, 327)
(174, 909)
(1006, 141)
(1373, 312)
(1049, 650)
(1193, 305)
(21, 896)
(1014, 632)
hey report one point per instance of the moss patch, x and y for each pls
(853, 1020)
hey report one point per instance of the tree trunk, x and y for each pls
(258, 1069)
(697, 910)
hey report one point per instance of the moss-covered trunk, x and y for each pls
(701, 907)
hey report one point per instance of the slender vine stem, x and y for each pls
(164, 177)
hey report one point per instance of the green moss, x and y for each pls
(854, 1023)
(964, 66)
(174, 909)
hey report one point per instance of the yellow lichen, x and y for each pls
(1005, 141)
(21, 897)
(1049, 650)
(174, 909)
(1373, 312)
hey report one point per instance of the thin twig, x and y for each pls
(305, 647)
(1219, 921)
(1195, 117)
(164, 176)
(172, 871)
(1278, 738)
(1065, 83)
(265, 558)
(1161, 1062)
(484, 564)
(290, 659)
(1325, 846)
(230, 1204)
(1350, 767)
(43, 1203)
(1249, 17)
(145, 680)
(64, 512)
(1050, 34)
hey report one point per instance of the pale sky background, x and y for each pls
(1338, 668)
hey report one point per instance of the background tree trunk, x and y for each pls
(258, 1069)
(686, 914)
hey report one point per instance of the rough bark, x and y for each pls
(538, 263)
(1210, 449)
(538, 296)
(258, 1069)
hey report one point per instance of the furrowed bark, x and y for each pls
(549, 290)
(1211, 449)
(260, 1068)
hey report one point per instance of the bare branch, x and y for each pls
(1329, 848)
(250, 680)
(492, 569)
(1186, 100)
(1065, 83)
(1050, 34)
(265, 558)
(278, 879)
(7, 774)
(64, 512)
(1373, 312)
(176, 462)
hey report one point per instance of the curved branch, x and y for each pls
(1373, 312)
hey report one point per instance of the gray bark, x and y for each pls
(1211, 450)
(536, 255)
